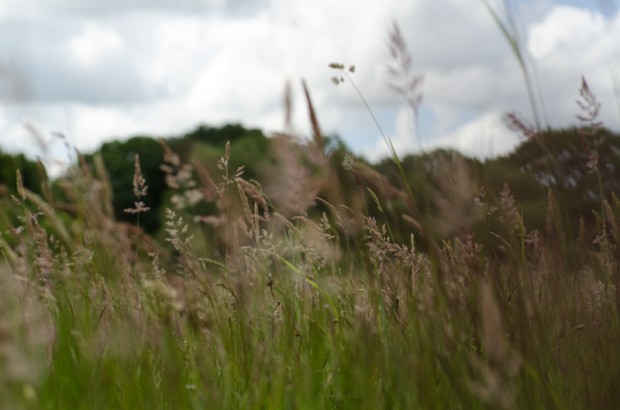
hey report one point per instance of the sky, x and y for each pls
(76, 73)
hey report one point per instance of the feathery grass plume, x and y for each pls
(139, 189)
(249, 225)
(52, 216)
(223, 202)
(482, 202)
(187, 192)
(377, 182)
(335, 213)
(590, 108)
(302, 169)
(38, 249)
(397, 267)
(554, 227)
(20, 185)
(509, 214)
(208, 189)
(315, 244)
(517, 123)
(294, 187)
(404, 81)
(179, 176)
(254, 191)
(454, 196)
(316, 129)
(288, 108)
(179, 236)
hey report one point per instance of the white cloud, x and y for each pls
(403, 140)
(154, 67)
(483, 137)
(98, 7)
(565, 29)
(93, 45)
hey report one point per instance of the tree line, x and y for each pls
(553, 164)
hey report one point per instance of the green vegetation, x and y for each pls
(252, 296)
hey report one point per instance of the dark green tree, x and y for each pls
(218, 136)
(118, 158)
(32, 174)
(560, 160)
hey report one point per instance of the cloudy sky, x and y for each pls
(96, 70)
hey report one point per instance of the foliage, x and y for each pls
(118, 158)
(32, 173)
(219, 136)
(555, 160)
(33, 177)
(323, 307)
(558, 160)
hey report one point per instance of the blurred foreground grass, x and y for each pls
(301, 309)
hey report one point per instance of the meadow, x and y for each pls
(304, 293)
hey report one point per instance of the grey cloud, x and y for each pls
(222, 68)
(114, 82)
(446, 34)
(99, 7)
(36, 67)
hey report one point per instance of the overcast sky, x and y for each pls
(97, 70)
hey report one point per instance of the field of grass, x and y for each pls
(301, 309)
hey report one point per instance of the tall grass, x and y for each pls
(287, 300)
(95, 316)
